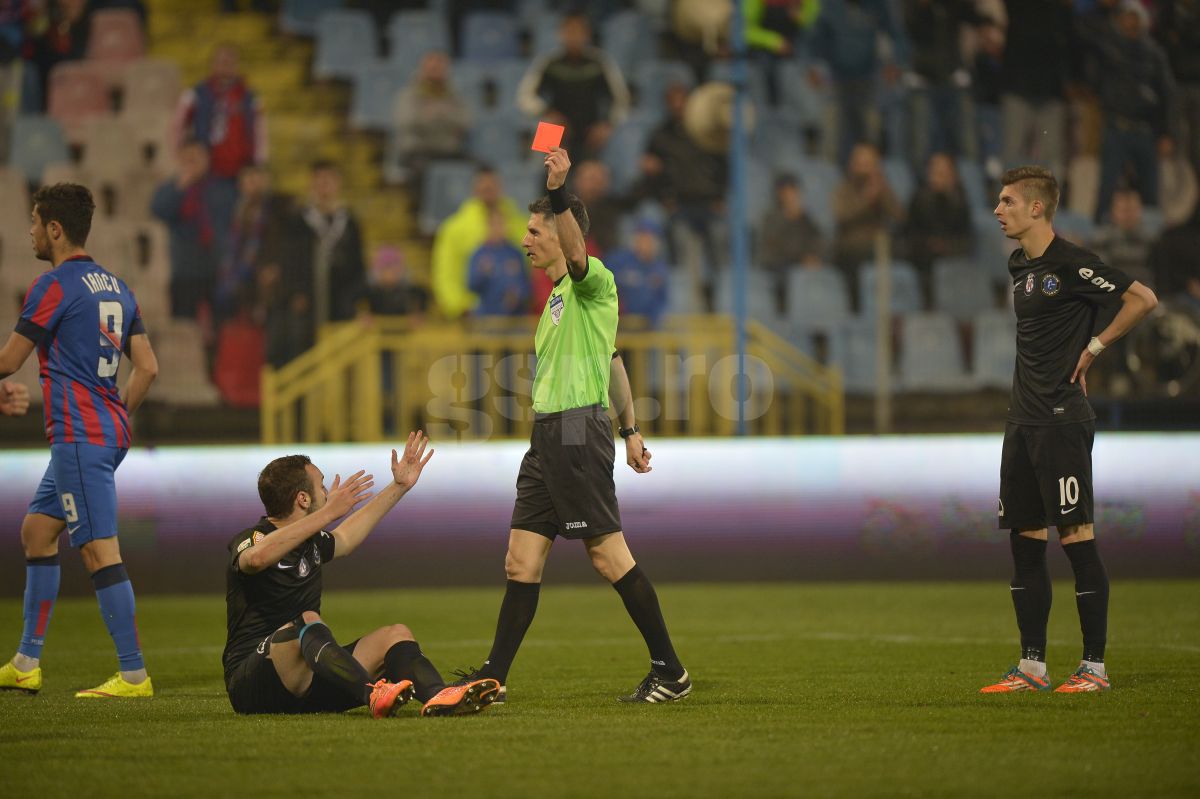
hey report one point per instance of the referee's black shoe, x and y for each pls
(656, 688)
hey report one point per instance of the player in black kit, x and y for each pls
(1046, 465)
(279, 655)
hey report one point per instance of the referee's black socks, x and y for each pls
(326, 658)
(405, 661)
(641, 601)
(1031, 594)
(516, 614)
(1091, 597)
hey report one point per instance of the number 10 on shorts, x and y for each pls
(1068, 491)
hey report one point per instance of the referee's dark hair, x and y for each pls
(68, 204)
(542, 206)
(280, 482)
(1035, 183)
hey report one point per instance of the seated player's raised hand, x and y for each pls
(344, 496)
(406, 470)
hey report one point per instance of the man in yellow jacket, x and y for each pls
(462, 233)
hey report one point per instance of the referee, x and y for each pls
(565, 485)
(1046, 465)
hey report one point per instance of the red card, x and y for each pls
(548, 135)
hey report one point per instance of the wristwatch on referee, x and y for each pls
(626, 432)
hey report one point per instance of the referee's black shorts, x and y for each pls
(565, 486)
(254, 687)
(1046, 475)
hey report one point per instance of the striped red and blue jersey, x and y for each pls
(81, 317)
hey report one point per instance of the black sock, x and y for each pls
(1091, 597)
(326, 658)
(406, 661)
(642, 603)
(1031, 594)
(516, 614)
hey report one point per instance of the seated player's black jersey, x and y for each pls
(1056, 298)
(258, 604)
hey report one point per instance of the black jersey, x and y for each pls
(258, 604)
(1057, 298)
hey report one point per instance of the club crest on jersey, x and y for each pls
(303, 568)
(1051, 285)
(1029, 284)
(556, 309)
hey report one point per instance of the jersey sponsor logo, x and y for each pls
(1051, 285)
(556, 309)
(575, 525)
(1096, 280)
(1029, 284)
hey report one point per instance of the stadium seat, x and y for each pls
(778, 141)
(817, 299)
(756, 82)
(524, 181)
(14, 195)
(112, 245)
(180, 343)
(110, 149)
(78, 91)
(446, 185)
(506, 79)
(1153, 221)
(530, 11)
(412, 34)
(819, 180)
(799, 95)
(994, 349)
(134, 192)
(652, 77)
(346, 39)
(1072, 225)
(543, 34)
(852, 349)
(470, 81)
(150, 85)
(488, 36)
(760, 196)
(900, 177)
(628, 37)
(152, 134)
(35, 142)
(974, 184)
(961, 288)
(299, 17)
(375, 88)
(931, 354)
(65, 172)
(760, 296)
(623, 152)
(500, 136)
(116, 40)
(906, 289)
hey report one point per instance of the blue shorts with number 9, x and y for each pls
(80, 489)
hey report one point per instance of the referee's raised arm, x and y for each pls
(570, 237)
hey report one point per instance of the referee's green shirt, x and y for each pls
(575, 340)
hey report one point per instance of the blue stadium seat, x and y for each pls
(500, 136)
(900, 177)
(961, 288)
(777, 139)
(375, 88)
(820, 179)
(489, 36)
(299, 17)
(931, 354)
(524, 180)
(506, 78)
(412, 34)
(530, 11)
(345, 40)
(34, 142)
(817, 299)
(906, 289)
(543, 34)
(1153, 221)
(1072, 225)
(651, 79)
(974, 183)
(629, 38)
(852, 349)
(470, 81)
(624, 151)
(994, 349)
(798, 95)
(446, 185)
(760, 196)
(756, 81)
(760, 296)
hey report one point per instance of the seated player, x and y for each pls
(280, 657)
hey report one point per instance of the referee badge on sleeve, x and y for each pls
(556, 309)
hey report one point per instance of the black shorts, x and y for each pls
(565, 486)
(254, 687)
(1046, 475)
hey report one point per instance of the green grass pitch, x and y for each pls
(800, 690)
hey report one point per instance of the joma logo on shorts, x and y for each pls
(575, 525)
(1087, 274)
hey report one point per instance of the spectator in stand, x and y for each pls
(322, 273)
(1038, 52)
(986, 84)
(1123, 242)
(579, 86)
(197, 209)
(1136, 93)
(775, 30)
(225, 114)
(864, 205)
(389, 290)
(68, 25)
(938, 71)
(591, 182)
(690, 183)
(497, 273)
(1174, 265)
(788, 236)
(1179, 34)
(459, 236)
(938, 224)
(430, 119)
(255, 241)
(642, 276)
(846, 38)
